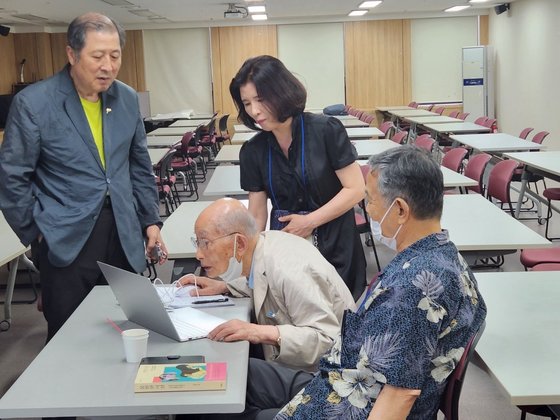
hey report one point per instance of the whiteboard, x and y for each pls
(436, 57)
(315, 53)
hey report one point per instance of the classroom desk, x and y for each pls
(495, 142)
(413, 112)
(354, 123)
(190, 124)
(163, 141)
(225, 181)
(240, 138)
(345, 117)
(229, 153)
(242, 128)
(10, 251)
(156, 154)
(393, 108)
(82, 371)
(546, 164)
(372, 147)
(356, 133)
(475, 224)
(463, 127)
(520, 343)
(169, 131)
(433, 119)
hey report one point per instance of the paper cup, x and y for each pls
(135, 344)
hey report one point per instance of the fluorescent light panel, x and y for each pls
(143, 12)
(259, 17)
(357, 13)
(256, 9)
(370, 4)
(456, 8)
(118, 2)
(478, 1)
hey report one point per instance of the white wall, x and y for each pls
(526, 42)
(315, 53)
(436, 46)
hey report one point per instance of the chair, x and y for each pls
(439, 110)
(413, 104)
(530, 177)
(453, 159)
(463, 115)
(399, 137)
(224, 134)
(537, 410)
(530, 258)
(166, 183)
(499, 182)
(490, 123)
(480, 120)
(454, 114)
(474, 169)
(546, 267)
(551, 194)
(426, 143)
(449, 401)
(430, 107)
(362, 220)
(368, 118)
(539, 137)
(387, 127)
(525, 132)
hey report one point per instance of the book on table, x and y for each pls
(188, 373)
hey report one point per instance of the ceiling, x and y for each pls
(54, 15)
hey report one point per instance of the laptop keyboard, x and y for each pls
(187, 330)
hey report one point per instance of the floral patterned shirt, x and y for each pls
(410, 333)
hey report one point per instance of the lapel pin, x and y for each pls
(108, 110)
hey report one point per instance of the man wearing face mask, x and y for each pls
(299, 298)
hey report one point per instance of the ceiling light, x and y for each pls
(118, 2)
(357, 13)
(457, 8)
(259, 17)
(142, 12)
(33, 18)
(370, 4)
(256, 9)
(478, 1)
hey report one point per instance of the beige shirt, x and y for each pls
(298, 290)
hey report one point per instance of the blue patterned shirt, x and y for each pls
(410, 333)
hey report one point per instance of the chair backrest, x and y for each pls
(385, 127)
(426, 143)
(525, 132)
(540, 136)
(454, 158)
(413, 104)
(454, 114)
(499, 181)
(399, 137)
(480, 120)
(368, 118)
(489, 122)
(449, 401)
(430, 107)
(475, 170)
(463, 115)
(222, 123)
(439, 110)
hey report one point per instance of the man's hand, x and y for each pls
(205, 285)
(153, 236)
(237, 330)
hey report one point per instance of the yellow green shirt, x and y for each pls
(95, 120)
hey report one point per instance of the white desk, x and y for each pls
(354, 123)
(163, 141)
(546, 164)
(496, 142)
(225, 181)
(520, 343)
(433, 119)
(242, 128)
(475, 224)
(228, 153)
(463, 127)
(345, 117)
(82, 372)
(414, 112)
(10, 251)
(190, 124)
(240, 138)
(170, 131)
(157, 154)
(384, 108)
(372, 147)
(356, 133)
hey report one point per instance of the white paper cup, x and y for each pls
(135, 344)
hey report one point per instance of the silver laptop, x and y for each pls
(142, 305)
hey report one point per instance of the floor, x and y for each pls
(481, 399)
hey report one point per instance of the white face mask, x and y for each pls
(377, 232)
(235, 268)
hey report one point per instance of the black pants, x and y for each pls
(64, 288)
(270, 387)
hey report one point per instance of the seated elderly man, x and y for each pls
(299, 298)
(395, 353)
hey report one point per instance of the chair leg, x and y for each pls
(548, 217)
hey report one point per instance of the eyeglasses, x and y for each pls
(203, 243)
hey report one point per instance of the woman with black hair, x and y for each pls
(303, 162)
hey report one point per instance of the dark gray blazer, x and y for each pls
(52, 181)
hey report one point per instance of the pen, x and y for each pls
(198, 302)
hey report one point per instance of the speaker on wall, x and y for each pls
(501, 8)
(4, 30)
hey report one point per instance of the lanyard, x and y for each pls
(302, 164)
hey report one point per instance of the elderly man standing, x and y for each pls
(76, 175)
